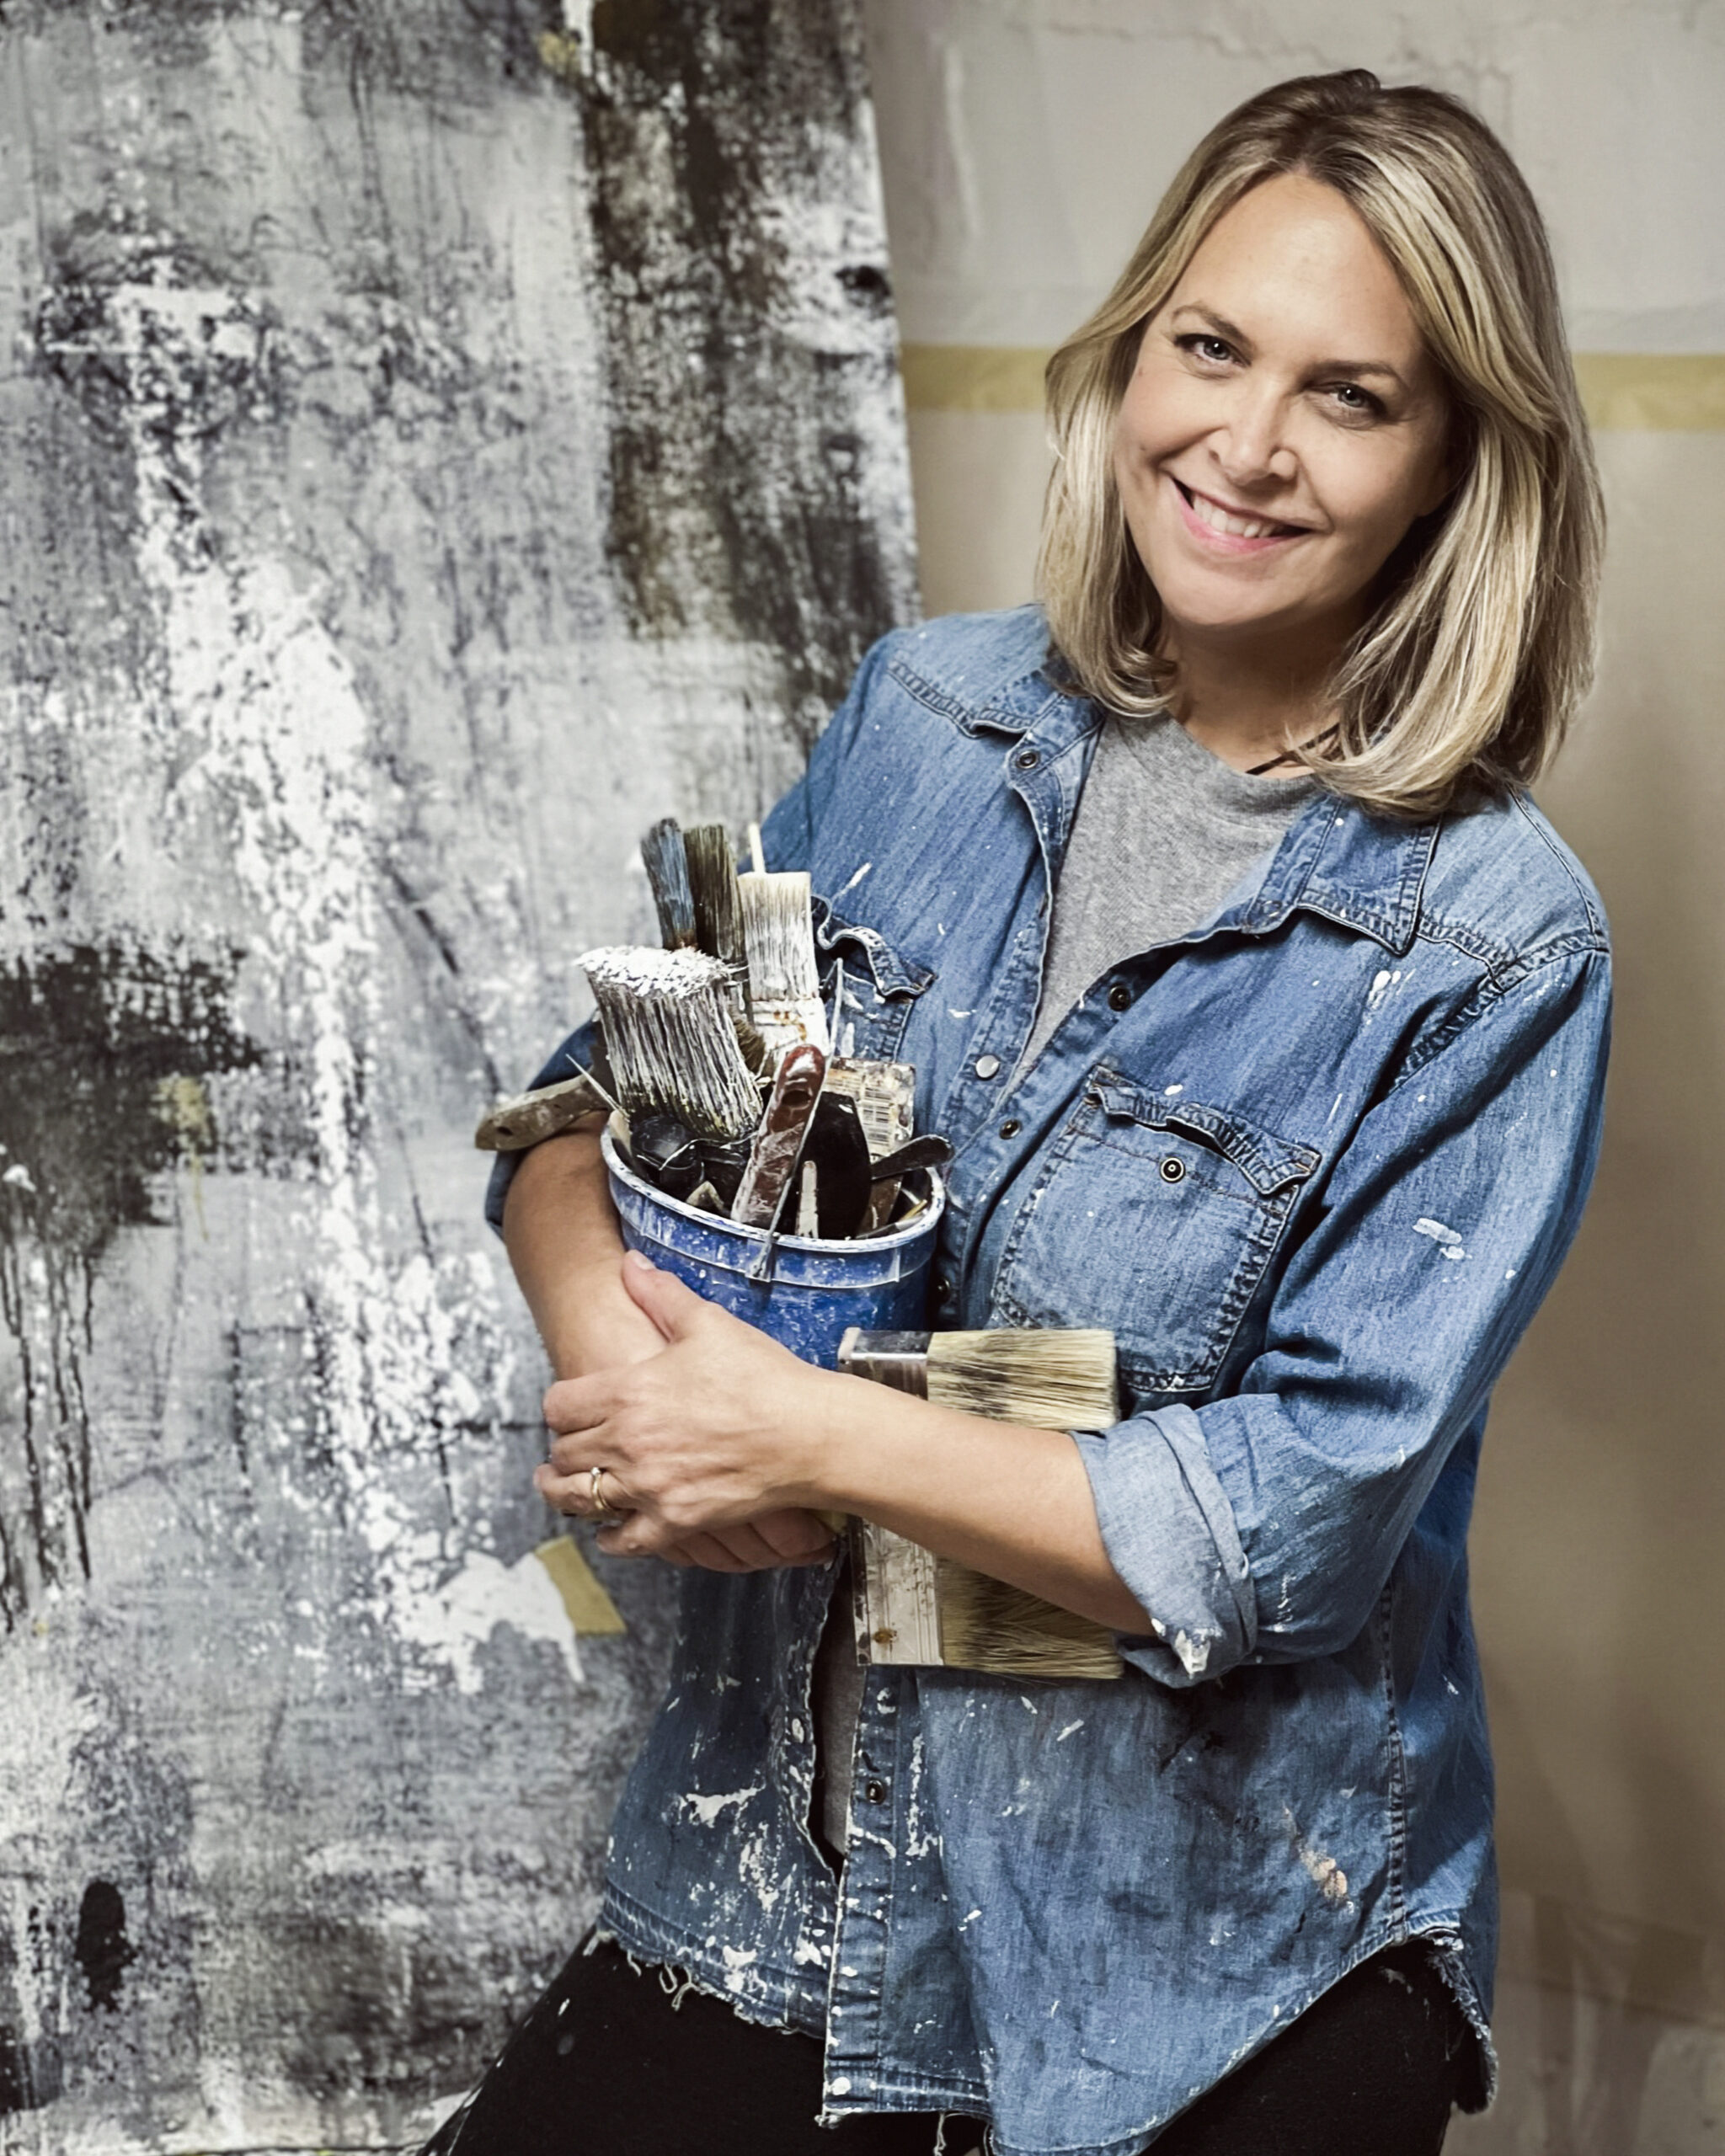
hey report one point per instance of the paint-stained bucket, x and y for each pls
(805, 1292)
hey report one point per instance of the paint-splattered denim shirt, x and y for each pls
(1315, 1163)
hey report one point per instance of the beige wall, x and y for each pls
(1023, 143)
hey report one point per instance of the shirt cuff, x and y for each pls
(1170, 1533)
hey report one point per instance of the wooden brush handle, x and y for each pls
(772, 1159)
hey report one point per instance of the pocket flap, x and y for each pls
(892, 975)
(1266, 1160)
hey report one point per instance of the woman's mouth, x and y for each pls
(1234, 532)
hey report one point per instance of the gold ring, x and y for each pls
(600, 1511)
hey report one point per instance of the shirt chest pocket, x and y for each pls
(1157, 1217)
(877, 989)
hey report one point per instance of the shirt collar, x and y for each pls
(1337, 860)
(1361, 870)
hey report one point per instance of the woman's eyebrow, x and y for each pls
(1236, 335)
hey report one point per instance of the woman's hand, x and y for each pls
(702, 1445)
(561, 1231)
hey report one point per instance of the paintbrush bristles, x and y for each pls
(1004, 1631)
(667, 865)
(712, 884)
(1052, 1380)
(670, 1039)
(784, 980)
(778, 937)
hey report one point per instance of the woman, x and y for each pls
(1268, 1020)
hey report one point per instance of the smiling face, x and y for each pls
(1283, 428)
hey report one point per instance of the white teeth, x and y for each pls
(1236, 528)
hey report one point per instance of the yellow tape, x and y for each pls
(591, 1610)
(974, 377)
(1682, 392)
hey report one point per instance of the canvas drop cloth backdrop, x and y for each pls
(437, 437)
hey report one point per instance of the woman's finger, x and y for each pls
(576, 1404)
(794, 1536)
(581, 1494)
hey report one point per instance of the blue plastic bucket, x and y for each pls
(804, 1292)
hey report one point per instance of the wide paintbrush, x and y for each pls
(778, 934)
(914, 1607)
(670, 1040)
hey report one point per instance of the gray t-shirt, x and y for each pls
(1164, 831)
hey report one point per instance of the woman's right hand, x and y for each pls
(560, 1229)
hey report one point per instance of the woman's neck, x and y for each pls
(1247, 706)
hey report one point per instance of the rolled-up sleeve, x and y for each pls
(1264, 1525)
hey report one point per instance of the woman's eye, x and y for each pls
(1354, 399)
(1216, 350)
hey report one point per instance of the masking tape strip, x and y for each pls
(591, 1610)
(1624, 392)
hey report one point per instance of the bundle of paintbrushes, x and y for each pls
(912, 1606)
(716, 1056)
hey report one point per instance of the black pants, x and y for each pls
(605, 2065)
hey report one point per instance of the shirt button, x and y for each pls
(1010, 1126)
(1120, 996)
(875, 1792)
(942, 1287)
(988, 1066)
(1027, 759)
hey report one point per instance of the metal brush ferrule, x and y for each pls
(898, 1359)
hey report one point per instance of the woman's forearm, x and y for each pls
(1014, 1503)
(560, 1229)
(724, 1427)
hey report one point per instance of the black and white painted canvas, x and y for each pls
(438, 437)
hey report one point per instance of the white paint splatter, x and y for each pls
(455, 1622)
(1382, 984)
(1320, 1868)
(705, 1811)
(1448, 1241)
(1070, 1730)
(856, 879)
(1194, 1649)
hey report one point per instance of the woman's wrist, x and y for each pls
(855, 1438)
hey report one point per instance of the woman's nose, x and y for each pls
(1252, 447)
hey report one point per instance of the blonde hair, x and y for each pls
(1466, 673)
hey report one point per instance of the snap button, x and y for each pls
(1173, 1170)
(875, 1792)
(942, 1287)
(988, 1066)
(1120, 996)
(1027, 759)
(1010, 1126)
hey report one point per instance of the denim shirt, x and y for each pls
(1314, 1163)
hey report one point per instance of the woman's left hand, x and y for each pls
(715, 1431)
